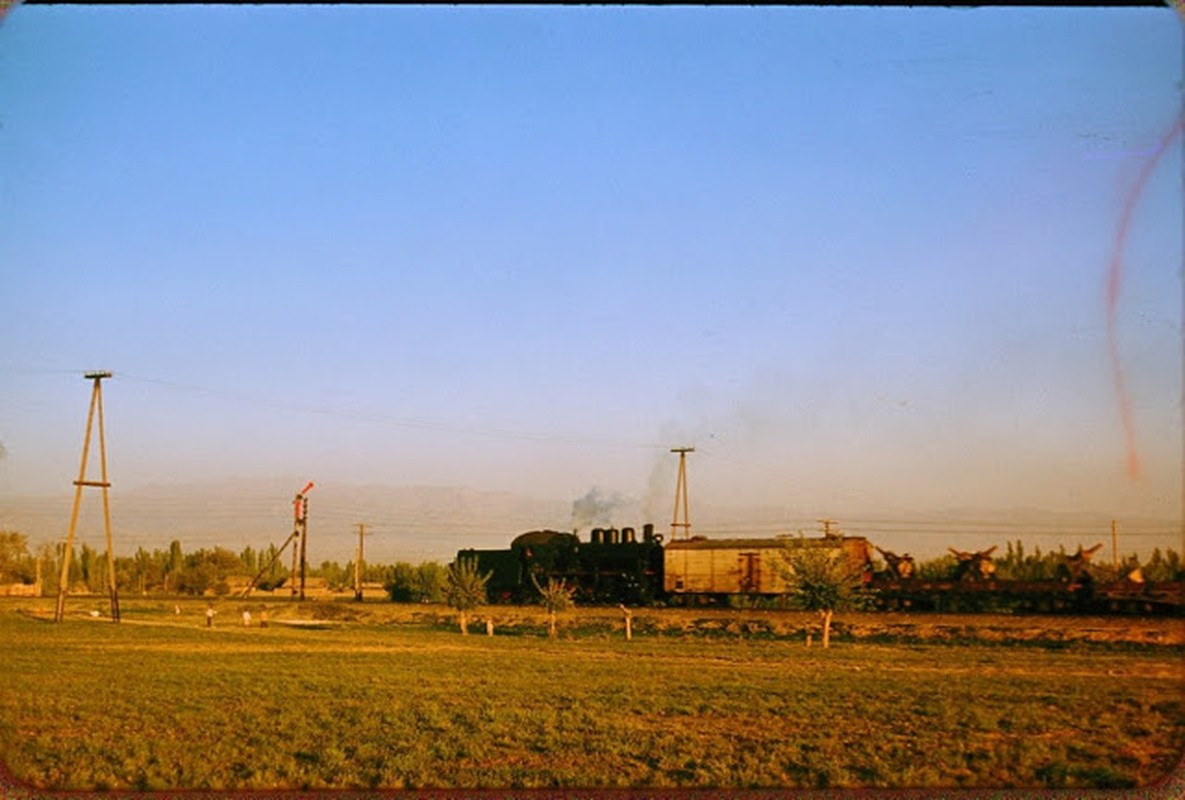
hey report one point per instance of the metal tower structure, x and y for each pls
(681, 494)
(104, 484)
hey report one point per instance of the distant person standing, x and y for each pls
(246, 618)
(210, 616)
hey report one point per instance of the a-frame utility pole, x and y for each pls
(681, 494)
(102, 483)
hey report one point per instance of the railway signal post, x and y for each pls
(681, 494)
(104, 484)
(300, 513)
(293, 589)
(300, 529)
(300, 534)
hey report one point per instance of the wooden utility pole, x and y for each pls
(681, 494)
(102, 483)
(358, 556)
(827, 523)
(1114, 547)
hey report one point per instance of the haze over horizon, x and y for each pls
(432, 523)
(857, 257)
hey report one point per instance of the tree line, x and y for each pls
(173, 570)
(1015, 564)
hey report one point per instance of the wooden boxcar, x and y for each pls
(719, 567)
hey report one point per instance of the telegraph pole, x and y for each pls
(104, 484)
(1114, 548)
(358, 556)
(681, 494)
(827, 523)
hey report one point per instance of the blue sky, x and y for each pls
(857, 257)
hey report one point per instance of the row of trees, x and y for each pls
(1018, 565)
(1015, 564)
(196, 572)
(205, 570)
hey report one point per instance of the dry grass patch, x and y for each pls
(398, 699)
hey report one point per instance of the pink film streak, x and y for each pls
(1114, 276)
(6, 6)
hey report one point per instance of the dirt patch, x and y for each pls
(1006, 629)
(1049, 630)
(674, 623)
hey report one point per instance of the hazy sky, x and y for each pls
(857, 257)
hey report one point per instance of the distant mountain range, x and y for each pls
(413, 523)
(430, 523)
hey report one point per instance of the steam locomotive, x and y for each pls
(612, 567)
(621, 567)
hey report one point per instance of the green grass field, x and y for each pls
(388, 696)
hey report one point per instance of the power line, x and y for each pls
(398, 422)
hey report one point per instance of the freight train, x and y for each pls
(625, 567)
